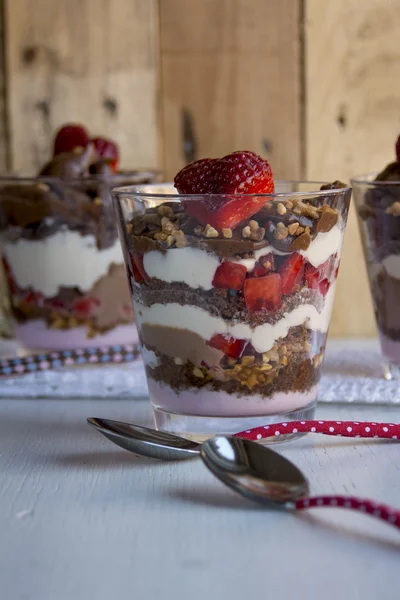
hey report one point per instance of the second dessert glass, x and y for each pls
(232, 323)
(378, 208)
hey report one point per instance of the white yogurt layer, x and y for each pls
(197, 267)
(64, 259)
(391, 265)
(262, 337)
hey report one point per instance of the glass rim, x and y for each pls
(368, 179)
(113, 178)
(142, 191)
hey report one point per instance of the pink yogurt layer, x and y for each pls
(390, 349)
(37, 336)
(221, 404)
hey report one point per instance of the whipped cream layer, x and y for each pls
(262, 337)
(196, 267)
(391, 265)
(65, 259)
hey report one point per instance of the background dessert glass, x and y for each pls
(63, 261)
(233, 324)
(378, 209)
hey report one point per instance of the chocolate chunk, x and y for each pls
(302, 242)
(327, 220)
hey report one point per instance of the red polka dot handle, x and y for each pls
(375, 509)
(354, 429)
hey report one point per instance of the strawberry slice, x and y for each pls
(108, 150)
(291, 272)
(228, 345)
(69, 137)
(324, 286)
(263, 292)
(139, 272)
(197, 177)
(85, 307)
(237, 173)
(230, 275)
(264, 265)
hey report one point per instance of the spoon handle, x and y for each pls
(353, 429)
(375, 509)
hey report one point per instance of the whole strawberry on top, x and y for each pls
(241, 172)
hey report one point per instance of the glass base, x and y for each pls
(200, 428)
(390, 370)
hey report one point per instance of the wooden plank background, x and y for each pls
(312, 85)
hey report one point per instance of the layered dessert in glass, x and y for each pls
(233, 279)
(61, 251)
(377, 197)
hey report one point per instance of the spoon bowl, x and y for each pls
(254, 471)
(144, 441)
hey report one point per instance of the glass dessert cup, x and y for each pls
(378, 209)
(63, 262)
(232, 323)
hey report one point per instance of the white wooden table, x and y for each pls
(82, 519)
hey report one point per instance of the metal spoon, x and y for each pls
(263, 475)
(145, 441)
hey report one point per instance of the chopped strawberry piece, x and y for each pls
(32, 298)
(197, 177)
(263, 292)
(230, 275)
(85, 307)
(314, 275)
(58, 304)
(264, 265)
(139, 272)
(324, 286)
(69, 137)
(228, 345)
(237, 173)
(291, 272)
(108, 150)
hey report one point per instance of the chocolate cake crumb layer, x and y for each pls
(225, 303)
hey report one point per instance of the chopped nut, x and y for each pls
(317, 360)
(293, 228)
(394, 209)
(281, 232)
(307, 346)
(265, 357)
(284, 360)
(248, 360)
(165, 211)
(43, 187)
(281, 208)
(258, 235)
(198, 230)
(283, 349)
(302, 242)
(307, 230)
(252, 380)
(289, 204)
(161, 236)
(179, 361)
(273, 355)
(267, 264)
(210, 232)
(170, 240)
(246, 232)
(198, 373)
(167, 225)
(226, 232)
(98, 201)
(266, 367)
(253, 225)
(181, 242)
(310, 211)
(231, 362)
(300, 230)
(57, 324)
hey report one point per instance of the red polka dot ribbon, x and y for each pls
(354, 429)
(374, 509)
